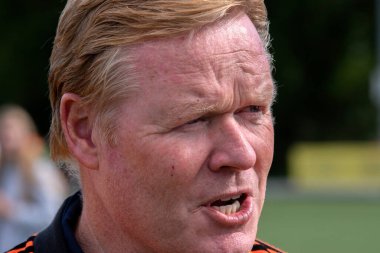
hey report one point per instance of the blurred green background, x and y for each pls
(325, 54)
(314, 225)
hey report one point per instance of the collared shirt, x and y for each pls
(59, 236)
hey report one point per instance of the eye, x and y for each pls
(252, 114)
(252, 109)
(197, 120)
(255, 108)
(192, 125)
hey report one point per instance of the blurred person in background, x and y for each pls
(31, 187)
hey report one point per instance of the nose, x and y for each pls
(232, 147)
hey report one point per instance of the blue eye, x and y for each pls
(255, 108)
(252, 109)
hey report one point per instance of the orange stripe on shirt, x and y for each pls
(19, 250)
(268, 248)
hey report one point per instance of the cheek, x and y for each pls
(266, 153)
(264, 144)
(161, 165)
(177, 165)
(162, 178)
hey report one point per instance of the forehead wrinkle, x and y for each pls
(241, 62)
(215, 102)
(245, 54)
(254, 89)
(212, 98)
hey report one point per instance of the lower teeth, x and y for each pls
(229, 209)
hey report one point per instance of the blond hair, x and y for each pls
(86, 55)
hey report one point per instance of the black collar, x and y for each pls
(59, 236)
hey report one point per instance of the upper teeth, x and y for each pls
(234, 198)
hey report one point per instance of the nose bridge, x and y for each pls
(233, 147)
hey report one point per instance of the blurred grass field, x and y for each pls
(316, 225)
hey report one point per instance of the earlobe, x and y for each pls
(78, 130)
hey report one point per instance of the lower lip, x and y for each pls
(239, 218)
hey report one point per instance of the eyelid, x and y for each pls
(200, 119)
(250, 108)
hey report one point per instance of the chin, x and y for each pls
(233, 243)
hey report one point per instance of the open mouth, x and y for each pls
(229, 205)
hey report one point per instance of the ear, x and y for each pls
(78, 130)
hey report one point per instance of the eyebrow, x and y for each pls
(191, 109)
(196, 108)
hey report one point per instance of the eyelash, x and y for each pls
(252, 108)
(195, 121)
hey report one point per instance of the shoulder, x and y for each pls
(263, 247)
(25, 247)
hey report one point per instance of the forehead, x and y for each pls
(211, 43)
(216, 63)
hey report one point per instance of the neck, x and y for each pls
(97, 232)
(87, 237)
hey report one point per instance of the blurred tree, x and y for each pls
(324, 53)
(28, 28)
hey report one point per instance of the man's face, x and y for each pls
(195, 144)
